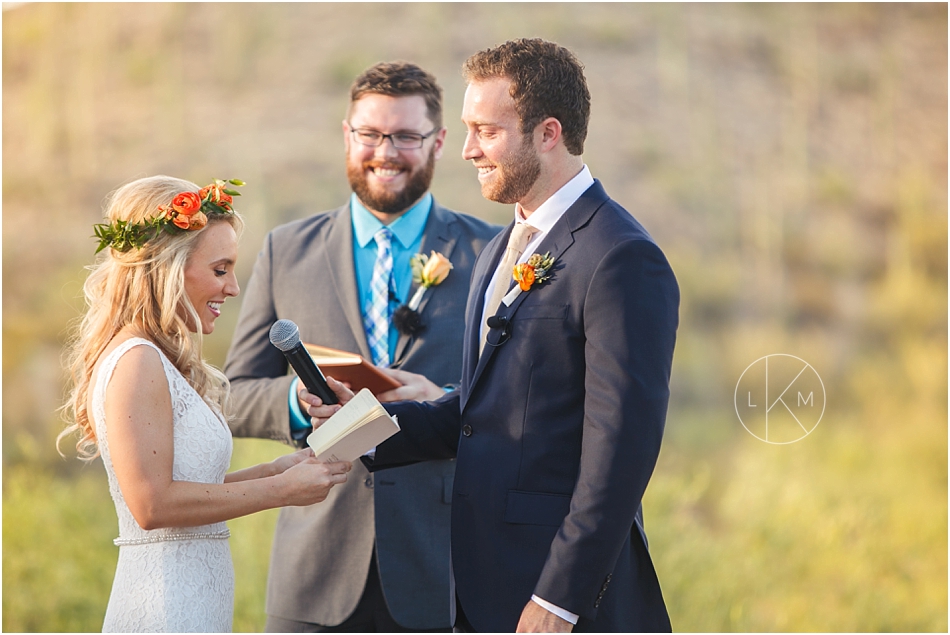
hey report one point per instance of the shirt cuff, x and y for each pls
(297, 420)
(557, 610)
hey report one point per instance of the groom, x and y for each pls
(558, 422)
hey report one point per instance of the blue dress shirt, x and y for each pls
(407, 239)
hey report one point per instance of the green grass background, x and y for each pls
(790, 159)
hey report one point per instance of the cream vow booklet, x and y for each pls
(354, 430)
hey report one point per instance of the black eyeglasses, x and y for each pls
(400, 140)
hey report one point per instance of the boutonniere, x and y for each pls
(427, 271)
(537, 270)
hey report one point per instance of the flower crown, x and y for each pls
(187, 212)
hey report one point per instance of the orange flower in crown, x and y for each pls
(187, 212)
(186, 203)
(217, 194)
(197, 221)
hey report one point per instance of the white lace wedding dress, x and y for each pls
(177, 579)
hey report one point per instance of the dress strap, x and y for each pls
(110, 362)
(108, 367)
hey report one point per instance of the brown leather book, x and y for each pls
(351, 369)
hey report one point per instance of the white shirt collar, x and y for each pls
(551, 210)
(543, 219)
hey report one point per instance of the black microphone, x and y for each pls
(286, 336)
(497, 321)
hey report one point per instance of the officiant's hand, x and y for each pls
(414, 387)
(319, 412)
(305, 399)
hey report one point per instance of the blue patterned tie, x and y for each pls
(376, 319)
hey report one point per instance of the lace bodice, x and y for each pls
(177, 578)
(202, 442)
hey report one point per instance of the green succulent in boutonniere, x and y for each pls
(427, 271)
(536, 270)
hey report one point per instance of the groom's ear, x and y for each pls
(548, 134)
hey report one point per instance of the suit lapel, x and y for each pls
(558, 240)
(440, 235)
(485, 267)
(341, 268)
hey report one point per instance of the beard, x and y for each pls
(387, 201)
(516, 176)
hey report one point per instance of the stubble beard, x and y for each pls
(386, 201)
(516, 176)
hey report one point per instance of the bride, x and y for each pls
(145, 400)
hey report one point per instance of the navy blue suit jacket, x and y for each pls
(557, 427)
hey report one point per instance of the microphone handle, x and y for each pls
(309, 374)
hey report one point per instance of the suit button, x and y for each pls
(597, 603)
(368, 482)
(467, 430)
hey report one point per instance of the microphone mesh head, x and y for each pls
(284, 335)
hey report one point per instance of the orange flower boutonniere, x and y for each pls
(537, 270)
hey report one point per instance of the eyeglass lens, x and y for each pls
(400, 140)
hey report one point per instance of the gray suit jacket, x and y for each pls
(321, 554)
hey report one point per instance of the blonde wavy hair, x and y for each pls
(144, 287)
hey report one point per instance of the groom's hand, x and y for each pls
(537, 619)
(320, 412)
(414, 387)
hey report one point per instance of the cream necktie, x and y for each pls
(520, 236)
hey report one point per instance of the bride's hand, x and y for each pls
(309, 481)
(319, 413)
(282, 463)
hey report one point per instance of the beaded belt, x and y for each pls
(219, 535)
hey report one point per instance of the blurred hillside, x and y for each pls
(790, 159)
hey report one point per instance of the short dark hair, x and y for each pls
(547, 80)
(400, 79)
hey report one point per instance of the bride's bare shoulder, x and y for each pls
(137, 379)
